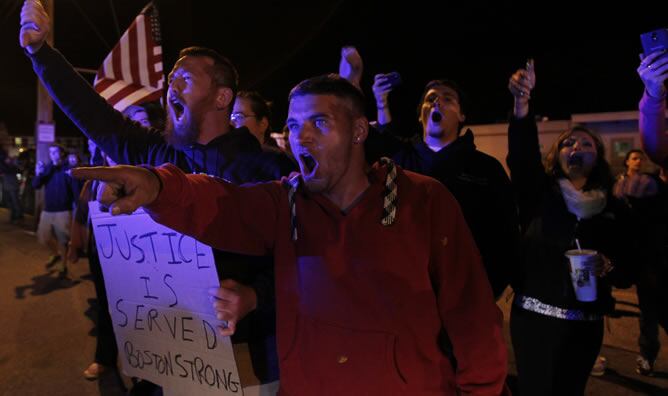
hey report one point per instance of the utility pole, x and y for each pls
(45, 131)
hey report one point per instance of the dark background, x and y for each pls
(586, 53)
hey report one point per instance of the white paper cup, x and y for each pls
(583, 273)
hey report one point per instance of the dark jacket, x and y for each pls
(59, 188)
(649, 219)
(8, 171)
(478, 182)
(549, 229)
(235, 156)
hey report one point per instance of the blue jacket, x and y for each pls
(59, 188)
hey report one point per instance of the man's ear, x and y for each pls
(224, 97)
(360, 130)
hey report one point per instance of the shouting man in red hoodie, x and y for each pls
(374, 266)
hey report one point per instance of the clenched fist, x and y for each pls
(35, 25)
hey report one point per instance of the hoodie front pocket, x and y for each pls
(339, 360)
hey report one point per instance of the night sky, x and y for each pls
(585, 57)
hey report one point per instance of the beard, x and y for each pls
(184, 134)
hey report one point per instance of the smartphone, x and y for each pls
(655, 40)
(394, 79)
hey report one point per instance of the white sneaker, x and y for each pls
(599, 366)
(94, 371)
(644, 367)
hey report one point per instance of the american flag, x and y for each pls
(132, 72)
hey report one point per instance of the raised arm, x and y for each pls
(42, 174)
(383, 84)
(653, 71)
(521, 84)
(123, 140)
(351, 66)
(524, 160)
(384, 139)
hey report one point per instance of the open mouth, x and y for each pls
(436, 117)
(177, 108)
(308, 163)
(575, 160)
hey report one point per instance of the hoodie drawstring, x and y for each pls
(389, 197)
(389, 193)
(293, 183)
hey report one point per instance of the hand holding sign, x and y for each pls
(232, 301)
(124, 189)
(156, 281)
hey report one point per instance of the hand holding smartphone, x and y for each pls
(393, 79)
(656, 40)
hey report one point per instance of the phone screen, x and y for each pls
(656, 40)
(394, 79)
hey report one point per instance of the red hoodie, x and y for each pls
(359, 305)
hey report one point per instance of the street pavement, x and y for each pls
(47, 331)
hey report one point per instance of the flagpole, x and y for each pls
(83, 70)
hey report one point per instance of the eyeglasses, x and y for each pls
(240, 118)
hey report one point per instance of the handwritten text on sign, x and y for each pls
(157, 282)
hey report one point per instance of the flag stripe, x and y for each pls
(133, 98)
(116, 63)
(142, 54)
(108, 67)
(133, 59)
(155, 96)
(103, 84)
(117, 91)
(126, 74)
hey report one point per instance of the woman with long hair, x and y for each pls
(564, 204)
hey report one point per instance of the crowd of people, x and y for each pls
(351, 257)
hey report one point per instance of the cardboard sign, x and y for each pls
(157, 284)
